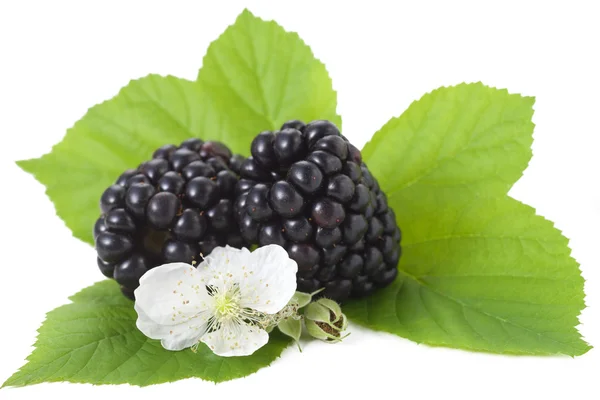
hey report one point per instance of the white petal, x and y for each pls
(220, 254)
(222, 265)
(268, 279)
(173, 305)
(172, 337)
(236, 340)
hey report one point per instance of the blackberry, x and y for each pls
(174, 207)
(306, 188)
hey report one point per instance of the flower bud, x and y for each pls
(324, 320)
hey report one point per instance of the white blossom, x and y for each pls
(226, 302)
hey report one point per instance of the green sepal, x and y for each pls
(317, 312)
(301, 299)
(332, 306)
(291, 327)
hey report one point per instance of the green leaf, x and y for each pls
(487, 275)
(291, 327)
(479, 270)
(262, 76)
(95, 340)
(455, 142)
(255, 77)
(116, 135)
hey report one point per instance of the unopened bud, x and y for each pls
(324, 320)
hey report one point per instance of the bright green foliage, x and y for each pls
(114, 136)
(455, 142)
(489, 275)
(95, 340)
(278, 78)
(260, 76)
(479, 270)
(255, 77)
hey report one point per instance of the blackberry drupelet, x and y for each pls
(171, 208)
(306, 188)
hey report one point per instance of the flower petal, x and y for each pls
(172, 337)
(220, 254)
(220, 261)
(222, 265)
(235, 340)
(268, 279)
(173, 305)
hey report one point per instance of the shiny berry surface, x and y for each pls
(129, 271)
(202, 192)
(257, 203)
(328, 213)
(289, 146)
(190, 225)
(119, 220)
(138, 196)
(298, 229)
(113, 197)
(171, 182)
(162, 209)
(171, 208)
(307, 188)
(306, 176)
(262, 149)
(285, 199)
(113, 247)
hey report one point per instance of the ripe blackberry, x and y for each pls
(306, 188)
(171, 208)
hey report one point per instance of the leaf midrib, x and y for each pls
(470, 236)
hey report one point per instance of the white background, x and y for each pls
(58, 59)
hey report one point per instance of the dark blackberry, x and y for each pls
(297, 230)
(171, 182)
(220, 217)
(138, 196)
(119, 220)
(306, 176)
(113, 247)
(327, 213)
(162, 209)
(289, 144)
(197, 168)
(129, 271)
(284, 200)
(172, 208)
(306, 188)
(124, 177)
(100, 226)
(271, 234)
(257, 203)
(190, 225)
(235, 163)
(154, 169)
(112, 197)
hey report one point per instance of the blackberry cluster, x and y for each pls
(169, 209)
(306, 188)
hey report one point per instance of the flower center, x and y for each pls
(227, 305)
